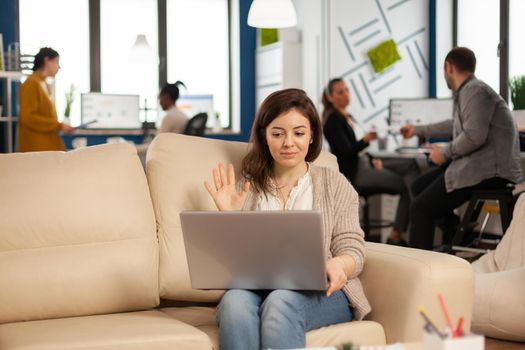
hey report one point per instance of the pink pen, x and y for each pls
(445, 312)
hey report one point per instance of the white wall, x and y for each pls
(325, 53)
(310, 22)
(444, 9)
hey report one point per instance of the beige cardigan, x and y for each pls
(339, 202)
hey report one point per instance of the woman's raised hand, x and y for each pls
(225, 195)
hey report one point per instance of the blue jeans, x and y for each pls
(277, 319)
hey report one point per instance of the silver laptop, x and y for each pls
(255, 249)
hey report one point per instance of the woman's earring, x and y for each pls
(311, 141)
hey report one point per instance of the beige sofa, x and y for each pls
(89, 245)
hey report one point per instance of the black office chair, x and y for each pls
(465, 238)
(196, 125)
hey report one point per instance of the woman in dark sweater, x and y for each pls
(347, 142)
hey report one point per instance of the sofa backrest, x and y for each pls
(177, 167)
(77, 234)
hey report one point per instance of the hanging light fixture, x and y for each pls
(141, 50)
(144, 62)
(272, 14)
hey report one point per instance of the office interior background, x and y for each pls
(208, 45)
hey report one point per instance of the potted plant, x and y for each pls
(517, 96)
(70, 97)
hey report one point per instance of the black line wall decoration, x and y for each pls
(357, 26)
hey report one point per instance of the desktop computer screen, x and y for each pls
(110, 111)
(193, 104)
(419, 111)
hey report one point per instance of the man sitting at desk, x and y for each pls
(483, 153)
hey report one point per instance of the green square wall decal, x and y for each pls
(269, 36)
(383, 55)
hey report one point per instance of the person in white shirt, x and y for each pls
(175, 120)
(277, 175)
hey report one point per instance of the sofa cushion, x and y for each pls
(177, 166)
(77, 234)
(357, 332)
(127, 331)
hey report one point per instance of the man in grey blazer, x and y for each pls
(483, 153)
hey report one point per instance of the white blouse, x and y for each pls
(300, 198)
(359, 132)
(174, 121)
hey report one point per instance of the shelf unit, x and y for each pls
(7, 102)
(278, 66)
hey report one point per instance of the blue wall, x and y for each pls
(432, 88)
(8, 21)
(247, 49)
(9, 30)
(247, 75)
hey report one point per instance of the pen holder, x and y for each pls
(432, 341)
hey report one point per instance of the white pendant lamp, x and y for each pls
(141, 50)
(272, 14)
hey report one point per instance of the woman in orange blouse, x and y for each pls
(38, 124)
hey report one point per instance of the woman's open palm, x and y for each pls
(225, 195)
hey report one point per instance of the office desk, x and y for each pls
(100, 136)
(421, 159)
(384, 154)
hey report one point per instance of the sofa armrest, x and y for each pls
(397, 280)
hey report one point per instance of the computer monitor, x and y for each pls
(193, 104)
(111, 111)
(419, 111)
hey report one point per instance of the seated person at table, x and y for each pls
(483, 153)
(277, 175)
(175, 120)
(368, 176)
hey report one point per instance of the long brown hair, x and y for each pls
(328, 107)
(257, 165)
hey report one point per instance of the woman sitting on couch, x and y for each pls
(277, 175)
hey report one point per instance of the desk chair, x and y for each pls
(196, 125)
(505, 199)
